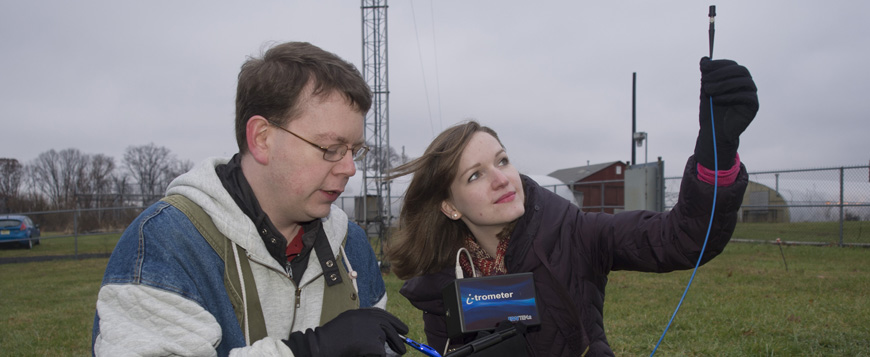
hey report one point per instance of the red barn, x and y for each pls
(597, 188)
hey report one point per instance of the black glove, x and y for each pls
(735, 103)
(360, 332)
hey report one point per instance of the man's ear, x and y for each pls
(257, 133)
(449, 210)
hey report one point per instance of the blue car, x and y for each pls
(19, 229)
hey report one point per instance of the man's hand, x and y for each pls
(360, 332)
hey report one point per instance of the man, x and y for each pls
(248, 256)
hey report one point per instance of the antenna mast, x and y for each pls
(376, 220)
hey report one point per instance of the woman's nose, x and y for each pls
(499, 179)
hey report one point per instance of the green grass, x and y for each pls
(47, 308)
(64, 245)
(828, 232)
(743, 303)
(399, 306)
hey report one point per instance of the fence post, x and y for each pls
(602, 197)
(842, 214)
(76, 231)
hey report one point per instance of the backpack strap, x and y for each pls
(342, 296)
(238, 277)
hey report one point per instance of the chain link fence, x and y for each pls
(73, 233)
(827, 206)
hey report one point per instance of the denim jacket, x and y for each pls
(163, 291)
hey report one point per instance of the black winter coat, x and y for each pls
(571, 253)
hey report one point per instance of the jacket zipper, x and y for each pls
(298, 298)
(298, 293)
(298, 303)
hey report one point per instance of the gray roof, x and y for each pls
(575, 174)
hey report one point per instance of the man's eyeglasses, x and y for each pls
(333, 152)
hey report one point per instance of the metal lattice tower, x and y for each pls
(377, 127)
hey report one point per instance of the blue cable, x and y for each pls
(709, 227)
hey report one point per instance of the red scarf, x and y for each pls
(484, 263)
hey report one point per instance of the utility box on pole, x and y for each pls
(645, 187)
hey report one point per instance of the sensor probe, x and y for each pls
(712, 31)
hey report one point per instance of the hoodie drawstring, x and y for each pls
(244, 294)
(350, 272)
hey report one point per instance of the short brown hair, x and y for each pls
(274, 85)
(427, 240)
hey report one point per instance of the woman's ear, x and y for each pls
(257, 132)
(450, 211)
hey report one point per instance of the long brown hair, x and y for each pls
(427, 241)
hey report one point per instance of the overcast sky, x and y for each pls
(554, 78)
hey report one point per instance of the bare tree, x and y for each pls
(10, 182)
(57, 175)
(177, 168)
(101, 172)
(10, 177)
(122, 188)
(149, 165)
(28, 199)
(45, 176)
(95, 181)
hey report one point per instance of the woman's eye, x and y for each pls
(473, 176)
(504, 162)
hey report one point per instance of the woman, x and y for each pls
(466, 194)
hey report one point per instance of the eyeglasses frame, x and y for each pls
(356, 157)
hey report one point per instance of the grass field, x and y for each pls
(821, 232)
(51, 244)
(743, 303)
(826, 232)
